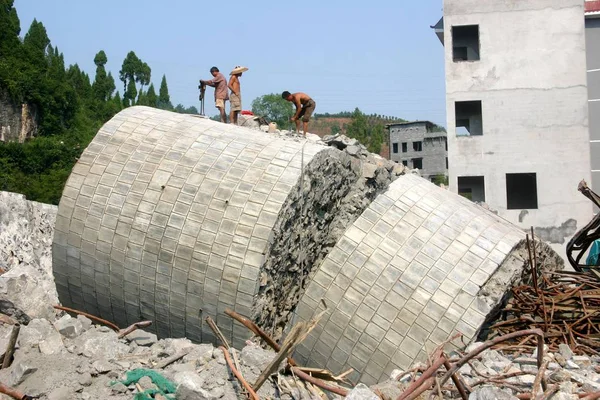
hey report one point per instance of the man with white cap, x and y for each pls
(235, 100)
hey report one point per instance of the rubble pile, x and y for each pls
(75, 359)
(496, 374)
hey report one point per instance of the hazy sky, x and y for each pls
(378, 55)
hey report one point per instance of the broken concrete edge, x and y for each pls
(331, 194)
(514, 270)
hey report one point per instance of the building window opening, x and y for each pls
(472, 188)
(405, 163)
(418, 146)
(469, 119)
(417, 163)
(404, 147)
(395, 148)
(465, 43)
(521, 191)
(446, 162)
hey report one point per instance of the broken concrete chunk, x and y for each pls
(490, 393)
(61, 393)
(98, 344)
(190, 386)
(353, 150)
(565, 351)
(256, 356)
(102, 366)
(52, 344)
(86, 323)
(200, 354)
(142, 338)
(361, 392)
(176, 346)
(119, 388)
(20, 371)
(69, 327)
(85, 379)
(30, 290)
(369, 170)
(35, 332)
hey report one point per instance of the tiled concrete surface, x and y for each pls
(403, 278)
(166, 217)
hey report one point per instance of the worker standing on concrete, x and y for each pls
(305, 106)
(236, 95)
(221, 93)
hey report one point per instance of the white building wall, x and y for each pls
(531, 80)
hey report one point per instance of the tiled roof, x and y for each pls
(592, 6)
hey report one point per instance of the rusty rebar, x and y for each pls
(317, 382)
(238, 375)
(90, 316)
(133, 327)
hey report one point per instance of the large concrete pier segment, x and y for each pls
(166, 217)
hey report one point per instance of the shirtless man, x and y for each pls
(236, 95)
(305, 106)
(220, 84)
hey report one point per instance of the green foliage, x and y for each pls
(274, 108)
(369, 133)
(180, 108)
(164, 100)
(440, 180)
(151, 98)
(70, 108)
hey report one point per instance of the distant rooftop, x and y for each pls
(410, 123)
(592, 7)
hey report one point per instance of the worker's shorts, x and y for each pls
(236, 102)
(220, 103)
(307, 110)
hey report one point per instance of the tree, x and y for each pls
(10, 28)
(274, 108)
(151, 98)
(368, 132)
(104, 85)
(164, 100)
(180, 108)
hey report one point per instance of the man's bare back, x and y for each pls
(234, 85)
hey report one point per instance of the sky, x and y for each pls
(379, 55)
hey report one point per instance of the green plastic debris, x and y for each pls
(165, 386)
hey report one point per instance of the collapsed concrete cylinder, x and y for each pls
(173, 218)
(420, 265)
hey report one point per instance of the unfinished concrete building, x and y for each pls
(173, 218)
(517, 115)
(592, 38)
(419, 145)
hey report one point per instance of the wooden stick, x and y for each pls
(10, 349)
(298, 333)
(5, 319)
(172, 359)
(90, 316)
(217, 332)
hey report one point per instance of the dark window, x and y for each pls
(469, 119)
(404, 147)
(395, 148)
(417, 163)
(405, 163)
(472, 187)
(446, 162)
(465, 43)
(418, 146)
(521, 191)
(446, 142)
